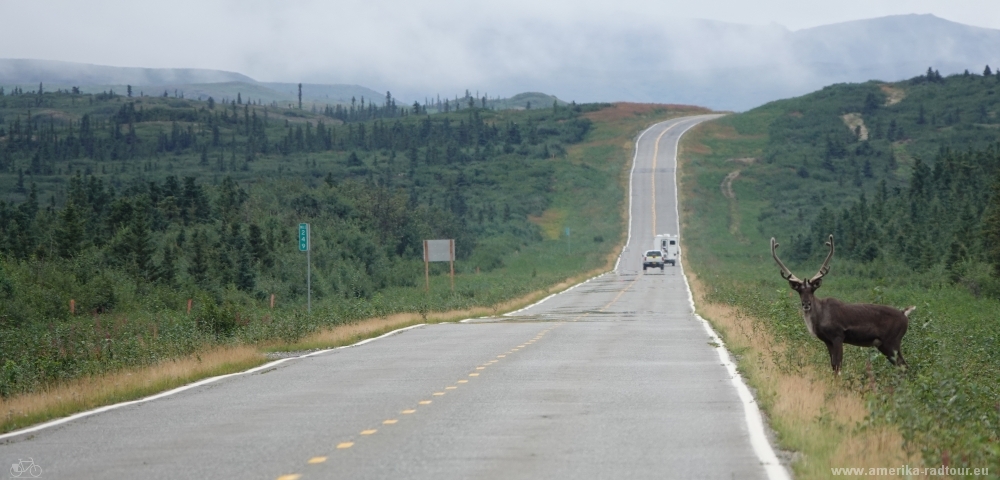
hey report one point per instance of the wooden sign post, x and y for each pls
(438, 251)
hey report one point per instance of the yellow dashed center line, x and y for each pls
(636, 279)
(393, 421)
(656, 153)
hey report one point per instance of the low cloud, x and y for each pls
(584, 51)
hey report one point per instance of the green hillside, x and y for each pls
(126, 208)
(133, 205)
(906, 176)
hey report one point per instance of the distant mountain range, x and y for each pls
(192, 83)
(714, 64)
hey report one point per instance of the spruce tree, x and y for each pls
(166, 271)
(140, 242)
(245, 274)
(70, 233)
(991, 227)
(258, 247)
(198, 264)
(231, 197)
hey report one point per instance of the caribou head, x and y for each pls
(806, 288)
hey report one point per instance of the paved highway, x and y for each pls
(615, 378)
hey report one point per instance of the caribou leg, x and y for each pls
(836, 348)
(893, 353)
(889, 353)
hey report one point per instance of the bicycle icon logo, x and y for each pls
(22, 467)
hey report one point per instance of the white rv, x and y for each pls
(670, 246)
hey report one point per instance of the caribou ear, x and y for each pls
(795, 284)
(816, 283)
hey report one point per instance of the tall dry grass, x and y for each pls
(91, 392)
(817, 421)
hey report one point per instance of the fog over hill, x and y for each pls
(192, 83)
(710, 63)
(729, 66)
(79, 74)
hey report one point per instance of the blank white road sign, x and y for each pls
(439, 250)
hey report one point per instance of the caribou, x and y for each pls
(836, 323)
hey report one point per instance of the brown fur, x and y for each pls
(836, 323)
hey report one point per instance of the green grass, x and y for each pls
(947, 403)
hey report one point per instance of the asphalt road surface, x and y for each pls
(615, 378)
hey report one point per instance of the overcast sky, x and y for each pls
(412, 45)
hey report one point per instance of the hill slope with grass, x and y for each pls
(906, 176)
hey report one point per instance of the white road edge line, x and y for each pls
(206, 381)
(755, 421)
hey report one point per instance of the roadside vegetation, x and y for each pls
(118, 211)
(906, 176)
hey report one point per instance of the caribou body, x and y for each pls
(836, 323)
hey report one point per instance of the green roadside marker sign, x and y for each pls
(304, 247)
(303, 237)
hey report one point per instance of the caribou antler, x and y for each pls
(785, 272)
(825, 268)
